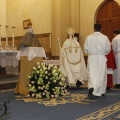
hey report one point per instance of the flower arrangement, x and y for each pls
(46, 81)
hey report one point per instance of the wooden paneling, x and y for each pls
(106, 27)
(104, 12)
(115, 10)
(109, 17)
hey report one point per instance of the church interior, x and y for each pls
(50, 20)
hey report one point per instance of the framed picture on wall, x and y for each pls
(25, 23)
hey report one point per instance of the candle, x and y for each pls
(50, 39)
(6, 35)
(13, 36)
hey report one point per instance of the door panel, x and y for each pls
(109, 17)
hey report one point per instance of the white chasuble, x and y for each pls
(72, 63)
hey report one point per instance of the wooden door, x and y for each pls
(109, 17)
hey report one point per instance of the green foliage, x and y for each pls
(46, 81)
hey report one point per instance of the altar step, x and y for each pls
(8, 81)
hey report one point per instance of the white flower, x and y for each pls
(44, 68)
(42, 64)
(49, 72)
(45, 91)
(32, 82)
(53, 89)
(28, 95)
(34, 68)
(33, 95)
(65, 90)
(29, 85)
(48, 68)
(38, 66)
(52, 96)
(37, 72)
(40, 75)
(55, 66)
(46, 72)
(29, 76)
(61, 88)
(58, 87)
(54, 71)
(38, 63)
(54, 81)
(39, 87)
(60, 83)
(48, 82)
(62, 91)
(60, 75)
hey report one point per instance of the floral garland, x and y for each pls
(46, 81)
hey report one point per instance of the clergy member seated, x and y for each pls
(72, 63)
(30, 39)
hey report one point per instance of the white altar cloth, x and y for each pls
(9, 61)
(31, 52)
(8, 58)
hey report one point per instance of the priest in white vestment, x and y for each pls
(97, 46)
(72, 63)
(116, 50)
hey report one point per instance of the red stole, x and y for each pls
(110, 64)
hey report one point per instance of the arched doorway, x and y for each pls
(109, 17)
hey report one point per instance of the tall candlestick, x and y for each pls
(13, 36)
(50, 40)
(13, 41)
(6, 35)
(6, 46)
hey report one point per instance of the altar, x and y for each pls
(9, 61)
(28, 56)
